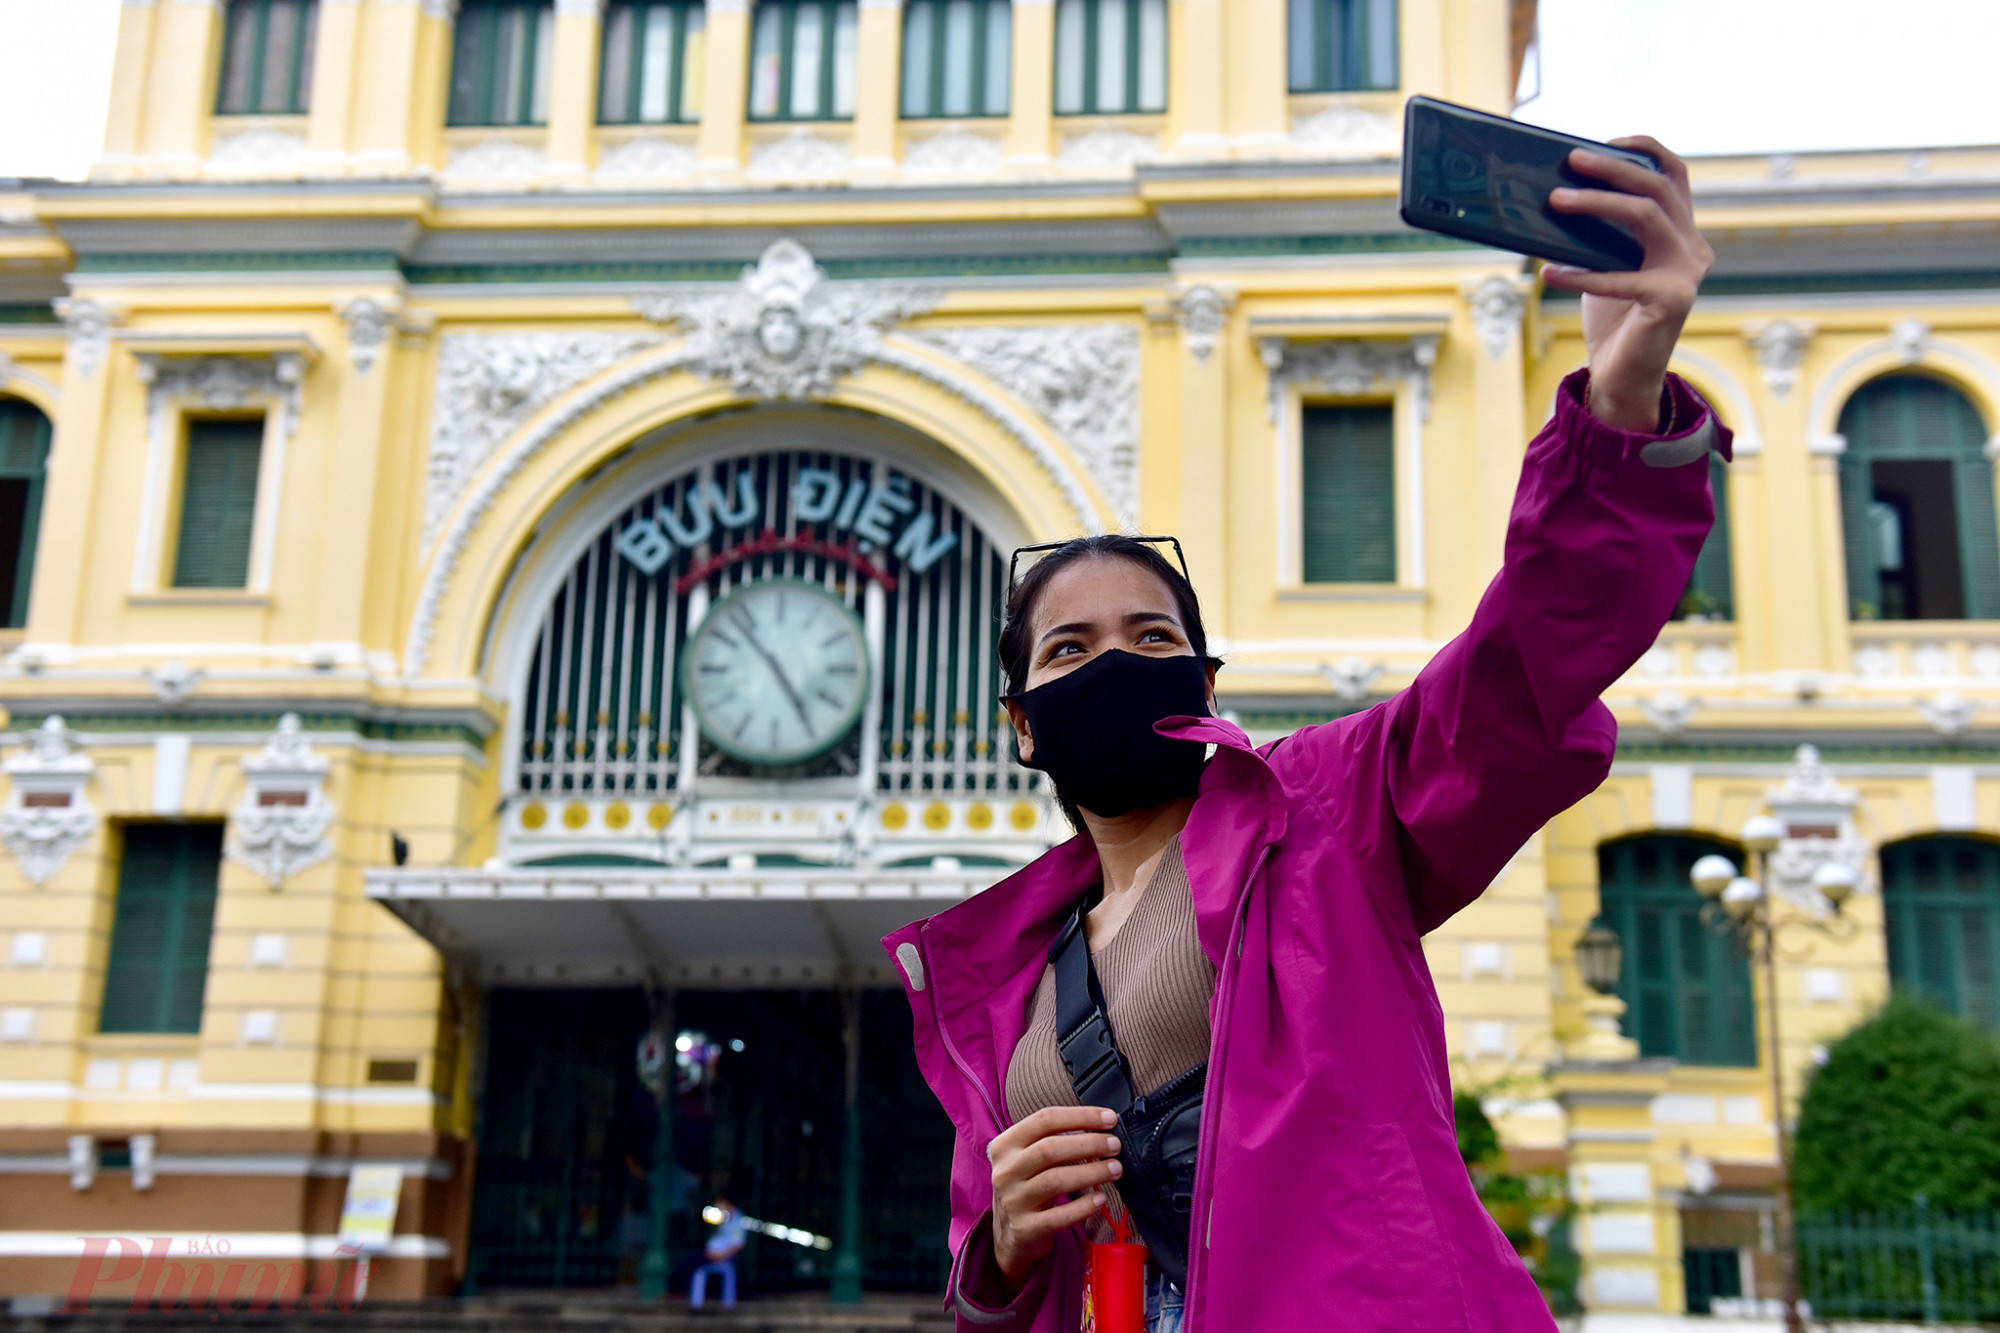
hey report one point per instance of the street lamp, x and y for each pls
(1599, 956)
(1745, 906)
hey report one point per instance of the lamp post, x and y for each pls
(1744, 905)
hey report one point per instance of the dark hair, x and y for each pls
(1017, 630)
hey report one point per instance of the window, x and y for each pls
(1342, 46)
(1710, 592)
(1916, 502)
(1111, 56)
(957, 57)
(1941, 909)
(267, 52)
(500, 63)
(652, 63)
(802, 60)
(1347, 481)
(160, 928)
(24, 452)
(1686, 989)
(218, 502)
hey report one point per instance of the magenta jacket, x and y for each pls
(1330, 1192)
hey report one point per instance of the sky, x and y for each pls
(1702, 76)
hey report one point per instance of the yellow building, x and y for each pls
(386, 414)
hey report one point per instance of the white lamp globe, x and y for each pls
(1741, 896)
(1836, 882)
(1761, 833)
(1711, 874)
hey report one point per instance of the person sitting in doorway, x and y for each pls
(719, 1255)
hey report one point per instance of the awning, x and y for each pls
(747, 929)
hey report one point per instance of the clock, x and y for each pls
(777, 672)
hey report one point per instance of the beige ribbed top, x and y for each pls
(1157, 984)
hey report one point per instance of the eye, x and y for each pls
(1156, 636)
(1063, 649)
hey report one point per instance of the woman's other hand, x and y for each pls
(1632, 320)
(1056, 1151)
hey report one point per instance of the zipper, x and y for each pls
(944, 1034)
(1202, 1213)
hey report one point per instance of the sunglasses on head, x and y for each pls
(1040, 548)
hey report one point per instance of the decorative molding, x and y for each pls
(1346, 130)
(1350, 367)
(173, 682)
(279, 826)
(1351, 677)
(1083, 379)
(956, 151)
(1949, 712)
(261, 150)
(12, 371)
(648, 157)
(1107, 147)
(1496, 306)
(47, 817)
(1808, 804)
(800, 153)
(498, 161)
(1203, 312)
(488, 384)
(368, 324)
(89, 326)
(222, 384)
(1669, 711)
(1780, 348)
(784, 331)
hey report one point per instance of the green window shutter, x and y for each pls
(24, 452)
(1686, 990)
(1711, 588)
(267, 51)
(644, 78)
(1941, 900)
(502, 52)
(957, 58)
(1341, 45)
(218, 503)
(1347, 475)
(1917, 419)
(160, 930)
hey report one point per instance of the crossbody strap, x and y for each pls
(1083, 1029)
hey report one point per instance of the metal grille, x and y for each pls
(603, 712)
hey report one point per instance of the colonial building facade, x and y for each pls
(504, 507)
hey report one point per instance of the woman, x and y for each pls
(1327, 1190)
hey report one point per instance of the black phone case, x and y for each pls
(1485, 178)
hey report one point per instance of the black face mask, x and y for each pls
(1094, 737)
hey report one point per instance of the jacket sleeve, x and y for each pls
(1504, 728)
(977, 1294)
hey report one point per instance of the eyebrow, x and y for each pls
(1133, 620)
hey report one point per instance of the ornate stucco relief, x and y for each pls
(47, 818)
(1350, 367)
(279, 826)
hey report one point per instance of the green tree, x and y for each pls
(1906, 1103)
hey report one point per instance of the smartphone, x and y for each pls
(1485, 178)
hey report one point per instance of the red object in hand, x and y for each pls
(1118, 1282)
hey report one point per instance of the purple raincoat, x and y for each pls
(1329, 1191)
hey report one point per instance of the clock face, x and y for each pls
(776, 672)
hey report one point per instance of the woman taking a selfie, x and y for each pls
(1211, 1010)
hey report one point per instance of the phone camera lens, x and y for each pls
(1439, 206)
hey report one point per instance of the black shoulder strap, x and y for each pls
(1083, 1030)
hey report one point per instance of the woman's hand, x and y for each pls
(1631, 320)
(1056, 1151)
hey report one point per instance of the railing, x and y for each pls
(1934, 650)
(1933, 1266)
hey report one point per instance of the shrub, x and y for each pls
(1906, 1103)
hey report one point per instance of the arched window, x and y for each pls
(1916, 502)
(1941, 904)
(24, 453)
(1686, 989)
(1711, 590)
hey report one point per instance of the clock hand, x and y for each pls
(798, 704)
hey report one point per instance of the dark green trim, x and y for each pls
(1348, 243)
(966, 266)
(239, 261)
(28, 312)
(1807, 284)
(25, 719)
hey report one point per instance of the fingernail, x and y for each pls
(1110, 1118)
(1097, 1200)
(1117, 1169)
(1111, 1144)
(1562, 194)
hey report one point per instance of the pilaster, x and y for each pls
(181, 88)
(1203, 314)
(725, 91)
(1255, 81)
(1031, 125)
(62, 564)
(336, 65)
(1627, 1226)
(387, 85)
(350, 475)
(1198, 47)
(573, 86)
(878, 86)
(131, 64)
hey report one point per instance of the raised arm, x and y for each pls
(1504, 728)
